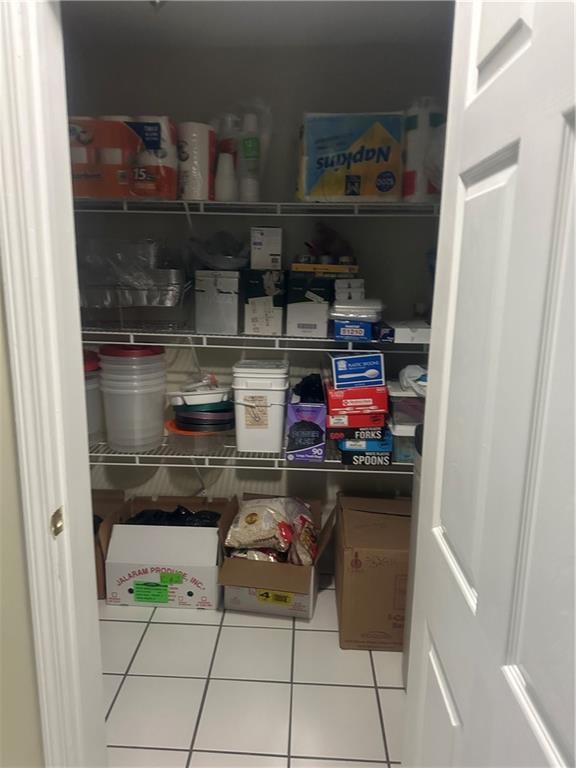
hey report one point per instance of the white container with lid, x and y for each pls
(260, 390)
(94, 414)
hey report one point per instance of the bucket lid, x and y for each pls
(264, 367)
(130, 350)
(91, 361)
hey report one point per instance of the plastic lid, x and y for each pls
(362, 306)
(261, 366)
(91, 361)
(130, 350)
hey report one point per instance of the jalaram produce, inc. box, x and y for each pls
(168, 566)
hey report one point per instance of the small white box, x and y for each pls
(349, 294)
(406, 331)
(170, 566)
(216, 302)
(266, 248)
(308, 320)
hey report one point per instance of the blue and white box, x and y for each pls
(359, 370)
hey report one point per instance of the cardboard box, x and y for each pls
(406, 332)
(358, 433)
(358, 399)
(280, 589)
(366, 459)
(326, 270)
(382, 445)
(372, 545)
(305, 430)
(105, 504)
(308, 305)
(360, 420)
(169, 566)
(358, 370)
(265, 248)
(265, 299)
(216, 301)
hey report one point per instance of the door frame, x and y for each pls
(39, 282)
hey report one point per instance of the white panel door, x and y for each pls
(491, 677)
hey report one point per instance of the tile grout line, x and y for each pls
(253, 754)
(125, 674)
(289, 755)
(205, 691)
(259, 680)
(379, 705)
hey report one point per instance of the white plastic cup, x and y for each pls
(226, 185)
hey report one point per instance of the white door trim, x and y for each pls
(44, 341)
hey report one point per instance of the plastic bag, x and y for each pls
(265, 524)
(221, 251)
(414, 377)
(261, 555)
(305, 542)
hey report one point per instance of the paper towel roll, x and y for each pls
(420, 122)
(196, 152)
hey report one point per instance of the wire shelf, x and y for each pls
(228, 457)
(166, 338)
(186, 208)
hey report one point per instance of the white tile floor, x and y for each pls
(206, 689)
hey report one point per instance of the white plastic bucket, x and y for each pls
(260, 390)
(94, 414)
(134, 416)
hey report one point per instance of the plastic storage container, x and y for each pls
(260, 391)
(94, 414)
(133, 384)
(357, 320)
(197, 443)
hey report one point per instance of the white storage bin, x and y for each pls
(260, 391)
(216, 302)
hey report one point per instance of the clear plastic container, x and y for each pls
(356, 320)
(134, 416)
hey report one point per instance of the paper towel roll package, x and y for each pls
(197, 157)
(156, 171)
(422, 119)
(115, 158)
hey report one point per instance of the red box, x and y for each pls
(353, 400)
(356, 420)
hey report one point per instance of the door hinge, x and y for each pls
(57, 522)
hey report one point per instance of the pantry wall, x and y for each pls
(193, 61)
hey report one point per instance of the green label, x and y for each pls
(251, 147)
(150, 592)
(170, 578)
